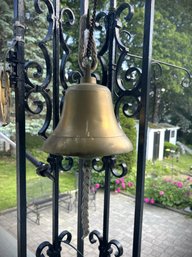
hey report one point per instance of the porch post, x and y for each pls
(143, 124)
(19, 31)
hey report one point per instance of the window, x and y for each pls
(173, 133)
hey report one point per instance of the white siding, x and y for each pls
(161, 144)
(150, 140)
(173, 136)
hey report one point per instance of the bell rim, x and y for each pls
(88, 147)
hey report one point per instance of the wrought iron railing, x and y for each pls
(111, 66)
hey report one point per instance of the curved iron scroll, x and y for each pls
(52, 250)
(117, 170)
(105, 248)
(41, 88)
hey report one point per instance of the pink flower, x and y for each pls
(152, 201)
(118, 190)
(117, 181)
(130, 184)
(146, 200)
(97, 186)
(123, 185)
(189, 178)
(161, 193)
(179, 184)
(122, 180)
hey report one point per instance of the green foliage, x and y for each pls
(157, 169)
(179, 165)
(169, 192)
(33, 141)
(129, 127)
(6, 32)
(116, 184)
(169, 148)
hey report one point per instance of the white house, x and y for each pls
(5, 143)
(157, 134)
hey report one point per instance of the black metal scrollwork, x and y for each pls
(128, 78)
(106, 249)
(117, 170)
(42, 247)
(40, 87)
(50, 16)
(66, 164)
(67, 19)
(52, 251)
(101, 24)
(157, 73)
(67, 235)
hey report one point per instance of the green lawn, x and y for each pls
(170, 166)
(67, 179)
(36, 186)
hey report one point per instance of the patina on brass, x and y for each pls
(4, 99)
(88, 126)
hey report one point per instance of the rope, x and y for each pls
(90, 45)
(87, 47)
(85, 198)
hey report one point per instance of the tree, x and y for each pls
(6, 31)
(172, 43)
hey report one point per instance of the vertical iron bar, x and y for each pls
(143, 124)
(19, 31)
(106, 204)
(110, 83)
(55, 210)
(80, 242)
(112, 47)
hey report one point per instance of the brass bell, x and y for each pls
(88, 126)
(4, 99)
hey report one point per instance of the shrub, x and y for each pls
(168, 192)
(118, 185)
(169, 147)
(33, 141)
(128, 126)
(99, 178)
(126, 184)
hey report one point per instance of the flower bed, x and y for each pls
(165, 191)
(169, 192)
(174, 192)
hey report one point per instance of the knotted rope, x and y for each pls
(87, 48)
(87, 59)
(85, 198)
